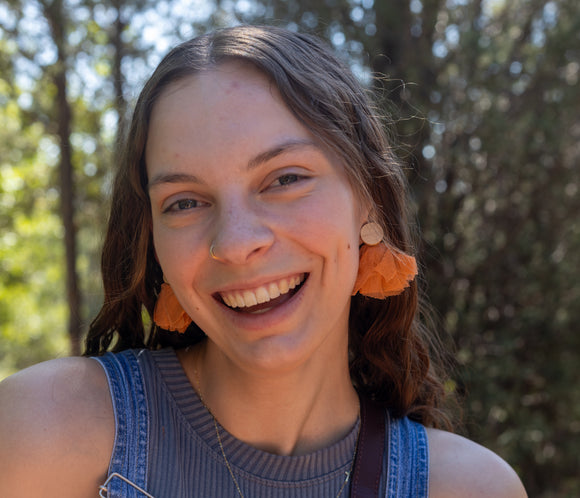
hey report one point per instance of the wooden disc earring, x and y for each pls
(371, 233)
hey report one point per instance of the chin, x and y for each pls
(278, 354)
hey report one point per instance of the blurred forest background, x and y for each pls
(484, 96)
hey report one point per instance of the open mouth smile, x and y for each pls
(264, 297)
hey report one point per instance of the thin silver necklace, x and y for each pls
(217, 433)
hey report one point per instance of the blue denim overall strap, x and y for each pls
(129, 461)
(408, 462)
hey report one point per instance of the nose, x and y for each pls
(241, 234)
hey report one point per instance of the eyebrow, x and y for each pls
(172, 178)
(278, 150)
(253, 163)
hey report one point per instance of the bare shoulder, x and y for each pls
(461, 468)
(56, 429)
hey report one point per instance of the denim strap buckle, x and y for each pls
(103, 488)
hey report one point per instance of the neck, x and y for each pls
(287, 413)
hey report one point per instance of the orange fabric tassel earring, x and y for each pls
(382, 272)
(168, 314)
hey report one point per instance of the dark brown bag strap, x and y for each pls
(368, 464)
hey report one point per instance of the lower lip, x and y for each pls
(267, 318)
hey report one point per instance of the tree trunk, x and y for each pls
(118, 76)
(54, 13)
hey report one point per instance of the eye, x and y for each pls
(184, 205)
(284, 180)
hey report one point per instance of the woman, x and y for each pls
(259, 219)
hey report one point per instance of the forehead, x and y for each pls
(208, 90)
(222, 98)
(226, 113)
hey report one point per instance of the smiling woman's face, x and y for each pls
(228, 164)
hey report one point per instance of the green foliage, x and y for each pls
(32, 298)
(502, 231)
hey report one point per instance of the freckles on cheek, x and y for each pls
(169, 250)
(174, 249)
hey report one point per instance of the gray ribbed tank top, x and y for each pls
(166, 444)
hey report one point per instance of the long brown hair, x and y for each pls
(391, 351)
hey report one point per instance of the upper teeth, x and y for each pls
(262, 294)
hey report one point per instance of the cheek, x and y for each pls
(160, 244)
(329, 223)
(342, 214)
(175, 251)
